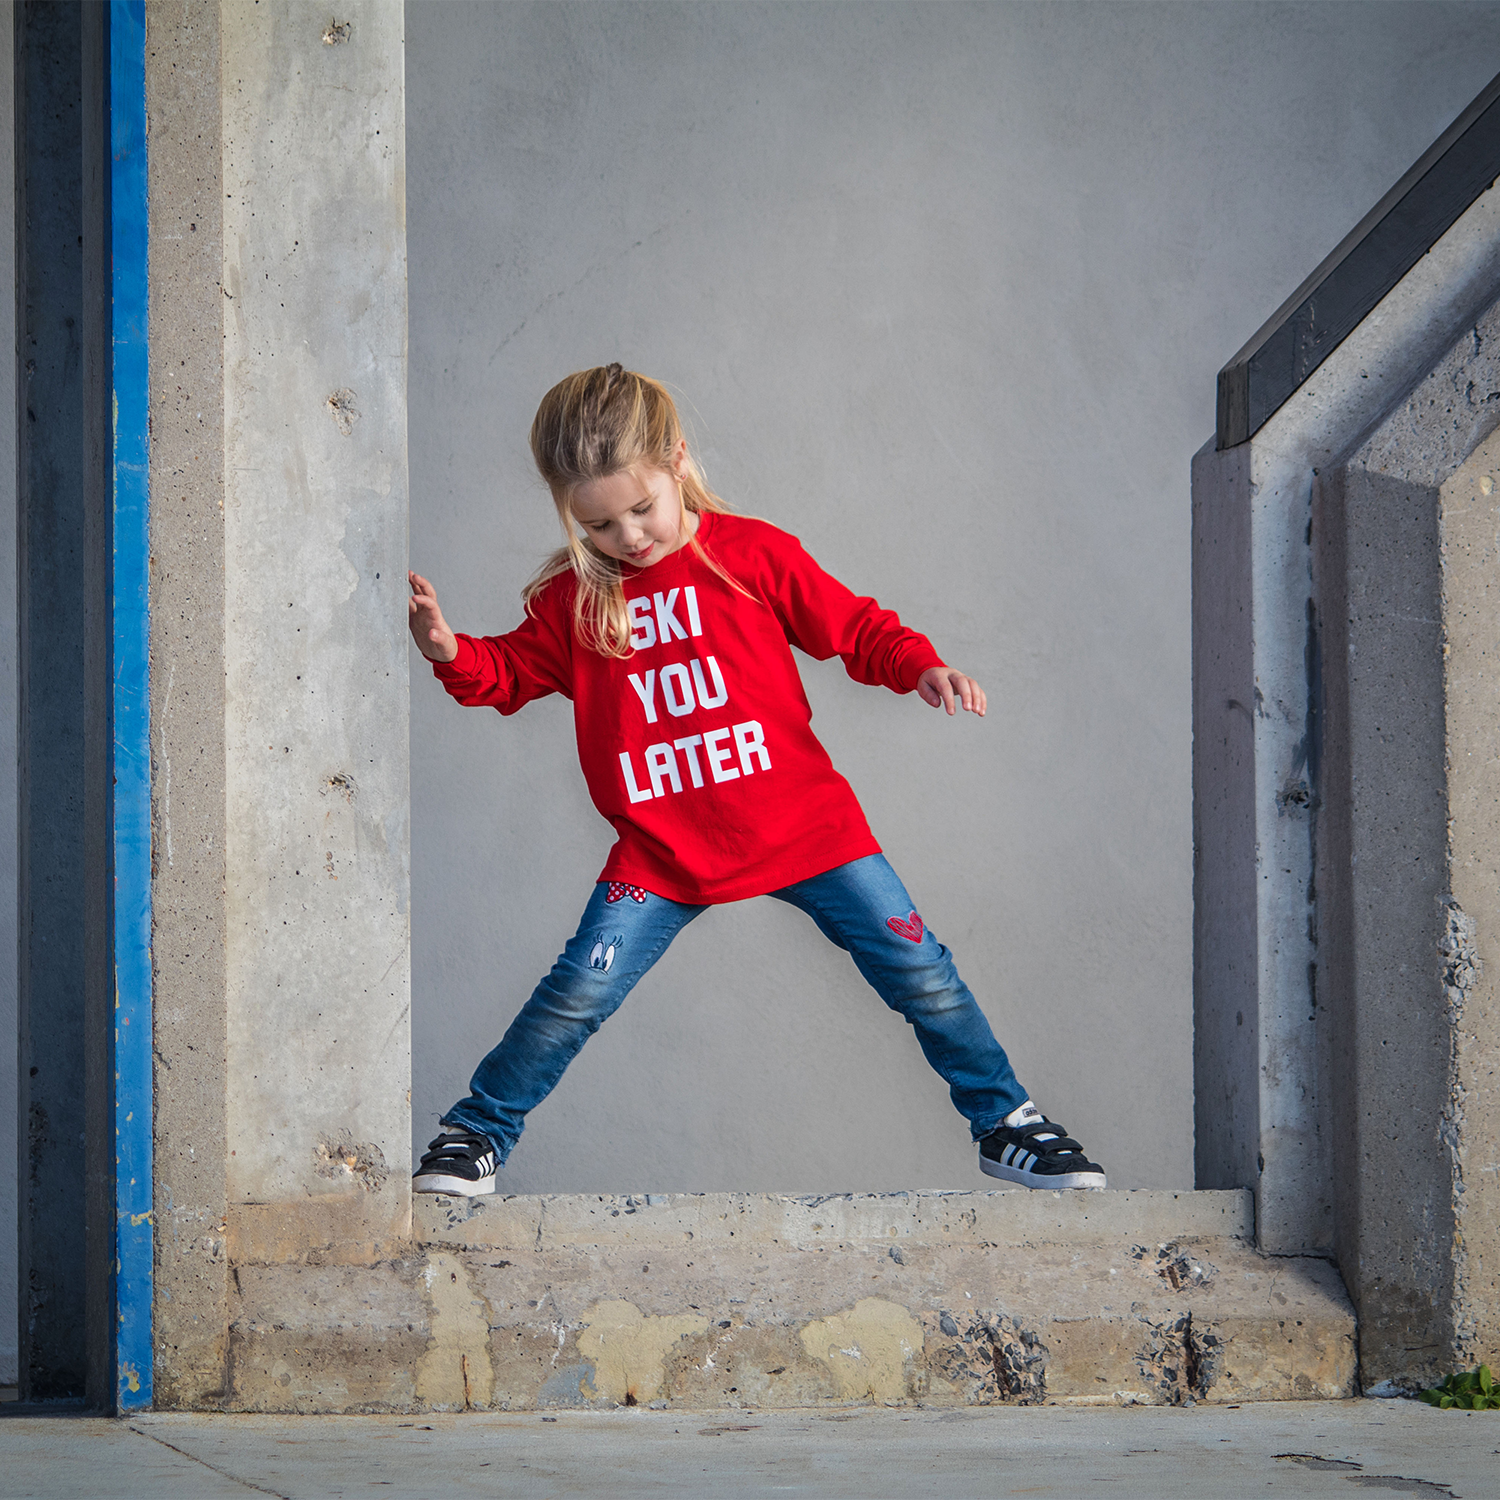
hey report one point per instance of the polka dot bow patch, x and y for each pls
(618, 892)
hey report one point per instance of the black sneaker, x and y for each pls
(1038, 1154)
(457, 1163)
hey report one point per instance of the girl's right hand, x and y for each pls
(428, 627)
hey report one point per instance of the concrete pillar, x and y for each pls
(315, 633)
(1347, 891)
(1409, 866)
(278, 655)
(1265, 1054)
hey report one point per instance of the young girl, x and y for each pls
(669, 622)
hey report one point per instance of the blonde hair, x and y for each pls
(594, 424)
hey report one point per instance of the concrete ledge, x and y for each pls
(337, 1229)
(740, 1300)
(1018, 1216)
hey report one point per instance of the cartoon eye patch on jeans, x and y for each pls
(602, 954)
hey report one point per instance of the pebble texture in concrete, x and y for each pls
(1336, 1450)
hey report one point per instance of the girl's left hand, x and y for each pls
(946, 687)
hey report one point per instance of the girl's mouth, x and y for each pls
(644, 553)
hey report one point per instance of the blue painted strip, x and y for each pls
(132, 707)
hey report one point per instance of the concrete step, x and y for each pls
(755, 1300)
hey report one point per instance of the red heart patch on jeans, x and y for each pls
(911, 928)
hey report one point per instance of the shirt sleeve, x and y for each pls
(824, 618)
(506, 672)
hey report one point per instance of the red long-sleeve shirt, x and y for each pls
(698, 747)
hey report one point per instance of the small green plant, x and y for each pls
(1469, 1390)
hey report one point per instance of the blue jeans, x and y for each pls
(862, 906)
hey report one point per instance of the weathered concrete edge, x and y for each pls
(187, 698)
(730, 1300)
(1015, 1217)
(931, 1322)
(1470, 1121)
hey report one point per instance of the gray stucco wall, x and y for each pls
(943, 290)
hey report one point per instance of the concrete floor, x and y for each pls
(1274, 1449)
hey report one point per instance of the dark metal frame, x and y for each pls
(1460, 165)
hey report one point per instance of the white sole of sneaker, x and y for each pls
(455, 1187)
(1031, 1180)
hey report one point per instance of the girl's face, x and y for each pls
(635, 515)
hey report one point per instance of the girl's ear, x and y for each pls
(679, 458)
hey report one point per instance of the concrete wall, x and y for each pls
(943, 290)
